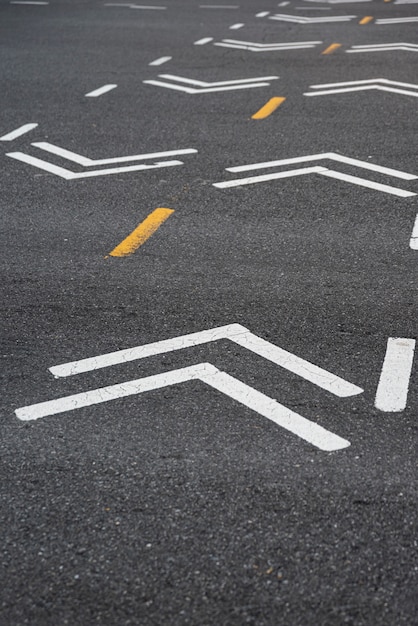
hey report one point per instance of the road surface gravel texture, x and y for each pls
(209, 253)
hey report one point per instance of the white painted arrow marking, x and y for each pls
(259, 47)
(212, 376)
(234, 332)
(323, 171)
(86, 162)
(204, 87)
(381, 84)
(392, 391)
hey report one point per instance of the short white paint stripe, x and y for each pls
(262, 14)
(385, 49)
(218, 6)
(18, 132)
(283, 4)
(385, 45)
(28, 2)
(392, 390)
(325, 155)
(413, 243)
(265, 49)
(236, 26)
(100, 91)
(397, 21)
(208, 90)
(362, 182)
(160, 61)
(238, 182)
(271, 45)
(134, 6)
(203, 41)
(369, 81)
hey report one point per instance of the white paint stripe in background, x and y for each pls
(236, 26)
(100, 91)
(201, 42)
(413, 243)
(160, 61)
(18, 132)
(27, 2)
(392, 390)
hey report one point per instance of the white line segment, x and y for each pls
(100, 91)
(234, 332)
(160, 61)
(236, 26)
(392, 390)
(413, 242)
(212, 376)
(203, 41)
(18, 132)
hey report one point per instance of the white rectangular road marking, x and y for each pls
(100, 91)
(236, 26)
(392, 390)
(160, 61)
(212, 376)
(251, 180)
(413, 243)
(202, 42)
(18, 132)
(29, 2)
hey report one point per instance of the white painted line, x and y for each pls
(221, 83)
(236, 26)
(262, 14)
(68, 175)
(392, 390)
(362, 182)
(413, 242)
(325, 155)
(86, 162)
(283, 4)
(212, 376)
(234, 332)
(202, 42)
(251, 180)
(134, 6)
(100, 91)
(18, 132)
(160, 61)
(28, 2)
(218, 6)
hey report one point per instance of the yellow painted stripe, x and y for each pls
(142, 232)
(332, 48)
(366, 20)
(268, 108)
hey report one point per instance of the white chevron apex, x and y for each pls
(266, 47)
(204, 87)
(212, 376)
(300, 19)
(209, 374)
(384, 47)
(381, 84)
(86, 162)
(323, 171)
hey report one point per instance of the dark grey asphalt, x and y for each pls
(181, 506)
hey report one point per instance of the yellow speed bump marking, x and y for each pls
(366, 20)
(331, 48)
(268, 108)
(142, 232)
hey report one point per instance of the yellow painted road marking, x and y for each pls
(366, 20)
(331, 48)
(268, 108)
(142, 232)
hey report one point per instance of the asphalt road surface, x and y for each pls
(245, 451)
